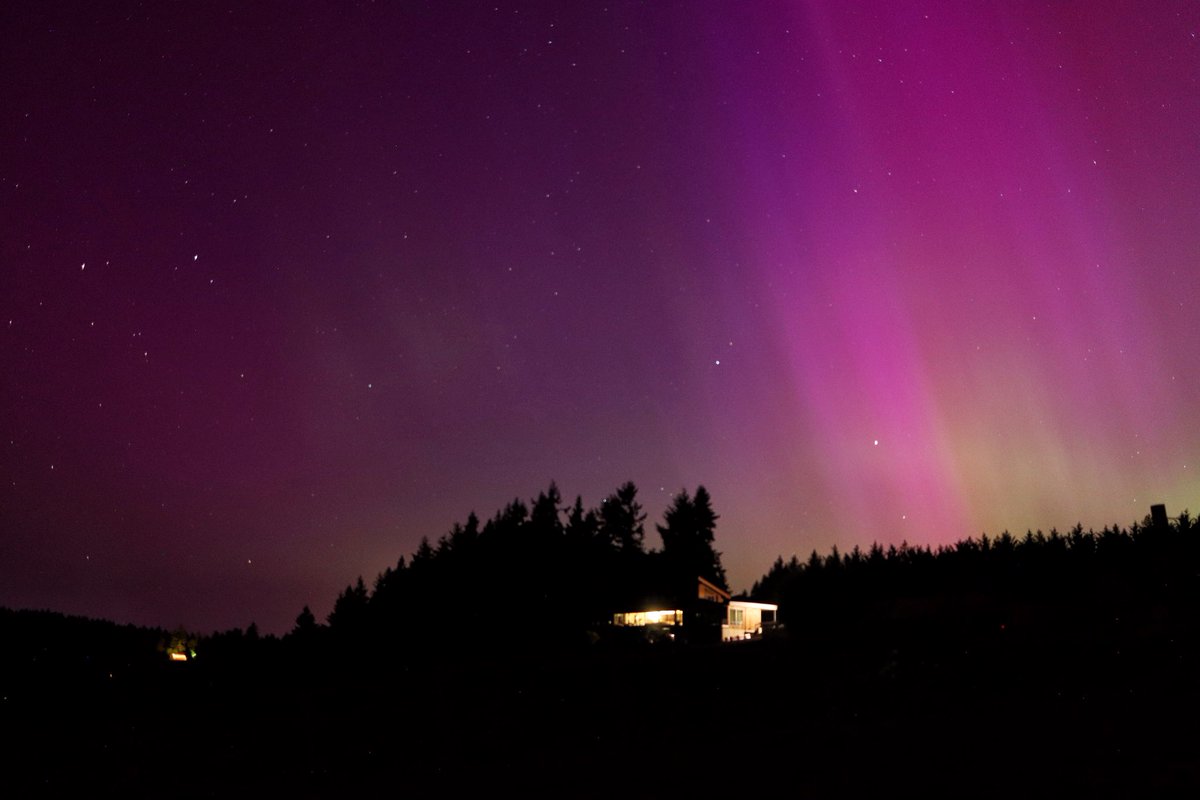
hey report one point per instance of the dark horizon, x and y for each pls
(287, 287)
(1056, 664)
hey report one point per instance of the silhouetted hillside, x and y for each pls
(1045, 665)
(46, 646)
(537, 574)
(1090, 585)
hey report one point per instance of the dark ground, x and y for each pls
(1028, 710)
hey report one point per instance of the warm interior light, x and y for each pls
(642, 618)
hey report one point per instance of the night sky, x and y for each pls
(286, 287)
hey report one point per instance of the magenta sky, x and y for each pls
(283, 289)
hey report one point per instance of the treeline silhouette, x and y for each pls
(995, 667)
(1085, 588)
(74, 653)
(541, 574)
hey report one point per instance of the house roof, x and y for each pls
(707, 584)
(749, 604)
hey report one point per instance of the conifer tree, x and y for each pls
(688, 537)
(622, 520)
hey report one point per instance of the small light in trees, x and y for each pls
(181, 646)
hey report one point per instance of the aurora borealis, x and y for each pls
(286, 287)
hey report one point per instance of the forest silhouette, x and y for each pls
(483, 661)
(558, 573)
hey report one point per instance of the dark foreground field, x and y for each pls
(1032, 711)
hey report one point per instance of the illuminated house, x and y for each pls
(701, 617)
(181, 646)
(639, 619)
(691, 617)
(746, 620)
